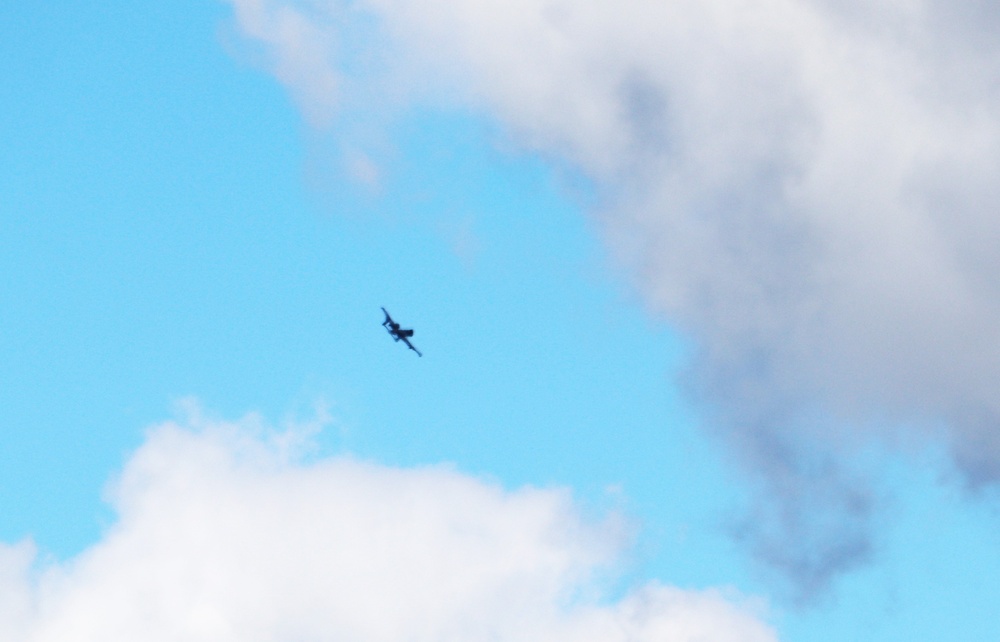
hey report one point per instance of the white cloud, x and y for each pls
(225, 533)
(298, 51)
(806, 187)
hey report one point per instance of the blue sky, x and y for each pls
(173, 228)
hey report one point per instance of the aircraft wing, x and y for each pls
(410, 346)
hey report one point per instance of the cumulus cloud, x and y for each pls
(807, 188)
(226, 531)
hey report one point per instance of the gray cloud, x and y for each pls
(811, 520)
(807, 188)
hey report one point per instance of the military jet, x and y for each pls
(397, 333)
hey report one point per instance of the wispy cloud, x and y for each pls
(224, 532)
(298, 50)
(805, 187)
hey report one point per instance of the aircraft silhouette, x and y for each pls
(397, 333)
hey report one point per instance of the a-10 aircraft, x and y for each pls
(397, 333)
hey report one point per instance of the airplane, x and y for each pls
(397, 333)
